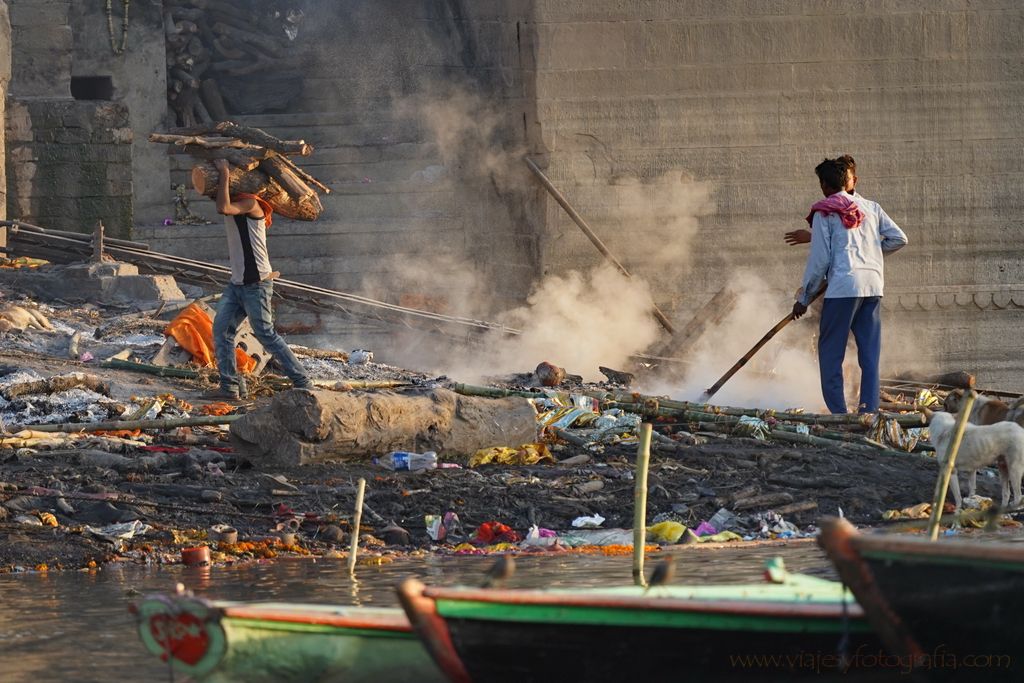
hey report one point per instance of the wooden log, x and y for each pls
(273, 167)
(194, 46)
(305, 176)
(163, 425)
(184, 106)
(266, 44)
(242, 67)
(262, 138)
(244, 160)
(210, 93)
(709, 315)
(205, 177)
(227, 48)
(200, 141)
(202, 114)
(187, 79)
(763, 501)
(56, 384)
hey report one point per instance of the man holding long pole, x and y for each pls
(850, 235)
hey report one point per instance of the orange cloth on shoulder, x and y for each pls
(268, 210)
(193, 330)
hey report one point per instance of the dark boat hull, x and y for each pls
(712, 633)
(951, 610)
(501, 652)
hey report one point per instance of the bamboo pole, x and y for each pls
(948, 470)
(118, 364)
(750, 354)
(116, 425)
(591, 235)
(643, 458)
(778, 434)
(80, 236)
(357, 519)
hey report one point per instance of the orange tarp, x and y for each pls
(193, 330)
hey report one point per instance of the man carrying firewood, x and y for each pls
(246, 219)
(850, 235)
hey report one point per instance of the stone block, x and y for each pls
(305, 427)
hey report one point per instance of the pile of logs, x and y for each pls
(260, 165)
(229, 58)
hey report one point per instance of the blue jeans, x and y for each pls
(252, 301)
(862, 316)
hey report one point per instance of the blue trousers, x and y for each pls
(252, 301)
(862, 316)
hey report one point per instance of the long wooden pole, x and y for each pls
(949, 469)
(357, 519)
(750, 354)
(591, 235)
(643, 458)
(114, 425)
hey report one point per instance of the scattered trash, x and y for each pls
(438, 526)
(31, 520)
(549, 374)
(404, 461)
(495, 532)
(332, 533)
(591, 522)
(665, 532)
(393, 534)
(540, 538)
(119, 532)
(527, 454)
(752, 426)
(222, 533)
(196, 557)
(723, 520)
(360, 357)
(705, 529)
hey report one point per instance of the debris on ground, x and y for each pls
(108, 453)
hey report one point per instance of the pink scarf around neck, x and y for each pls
(839, 203)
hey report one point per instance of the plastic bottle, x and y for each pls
(399, 461)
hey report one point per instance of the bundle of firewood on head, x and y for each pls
(259, 165)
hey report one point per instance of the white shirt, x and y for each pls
(850, 259)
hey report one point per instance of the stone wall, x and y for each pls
(658, 118)
(68, 161)
(747, 97)
(139, 80)
(69, 164)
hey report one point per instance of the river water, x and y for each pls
(75, 626)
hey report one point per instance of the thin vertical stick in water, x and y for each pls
(357, 519)
(643, 457)
(949, 469)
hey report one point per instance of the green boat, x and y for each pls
(795, 625)
(229, 642)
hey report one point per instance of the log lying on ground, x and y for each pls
(302, 427)
(56, 384)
